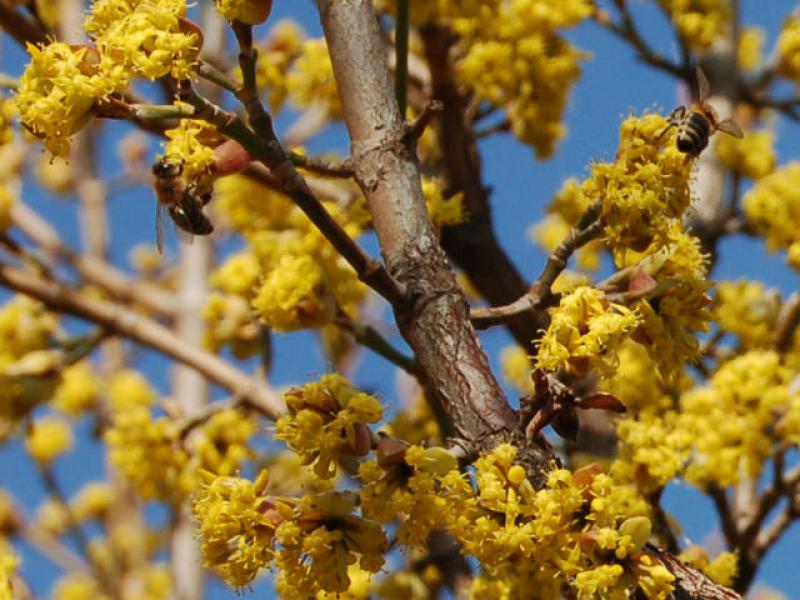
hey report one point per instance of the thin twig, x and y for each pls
(329, 168)
(127, 323)
(401, 56)
(269, 151)
(370, 338)
(589, 227)
(788, 320)
(120, 285)
(421, 123)
(725, 512)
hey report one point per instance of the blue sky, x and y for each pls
(613, 84)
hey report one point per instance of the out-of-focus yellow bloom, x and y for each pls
(585, 332)
(8, 566)
(230, 320)
(47, 439)
(283, 45)
(78, 586)
(359, 589)
(77, 391)
(443, 211)
(8, 110)
(237, 275)
(736, 421)
(53, 517)
(751, 43)
(92, 501)
(6, 202)
(772, 207)
(516, 367)
(403, 585)
(56, 174)
(148, 453)
(221, 445)
(789, 49)
(310, 80)
(753, 156)
(748, 310)
(251, 12)
(699, 22)
(325, 419)
(129, 389)
(722, 569)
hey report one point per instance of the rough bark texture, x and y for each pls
(434, 316)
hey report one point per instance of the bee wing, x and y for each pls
(730, 127)
(160, 226)
(703, 88)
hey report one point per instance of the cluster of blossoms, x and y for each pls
(772, 207)
(789, 49)
(8, 565)
(156, 455)
(747, 310)
(641, 197)
(513, 55)
(752, 157)
(290, 274)
(138, 39)
(699, 22)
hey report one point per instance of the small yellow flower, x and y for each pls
(48, 438)
(753, 156)
(251, 12)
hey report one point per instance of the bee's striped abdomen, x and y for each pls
(693, 133)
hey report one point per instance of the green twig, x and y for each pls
(370, 338)
(401, 56)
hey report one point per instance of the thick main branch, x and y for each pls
(435, 320)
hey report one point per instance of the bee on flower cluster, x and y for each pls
(180, 199)
(697, 123)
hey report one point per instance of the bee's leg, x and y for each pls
(673, 119)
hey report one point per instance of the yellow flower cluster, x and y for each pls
(134, 38)
(251, 12)
(404, 483)
(327, 419)
(748, 310)
(322, 539)
(517, 368)
(310, 81)
(237, 523)
(678, 306)
(722, 569)
(57, 91)
(585, 529)
(281, 49)
(652, 450)
(47, 439)
(772, 207)
(144, 38)
(443, 211)
(8, 566)
(514, 57)
(28, 371)
(151, 452)
(585, 333)
(735, 421)
(147, 451)
(753, 156)
(789, 49)
(699, 22)
(291, 276)
(751, 43)
(77, 391)
(8, 110)
(192, 145)
(636, 382)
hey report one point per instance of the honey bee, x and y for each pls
(180, 199)
(697, 123)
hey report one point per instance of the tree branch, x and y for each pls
(127, 323)
(435, 321)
